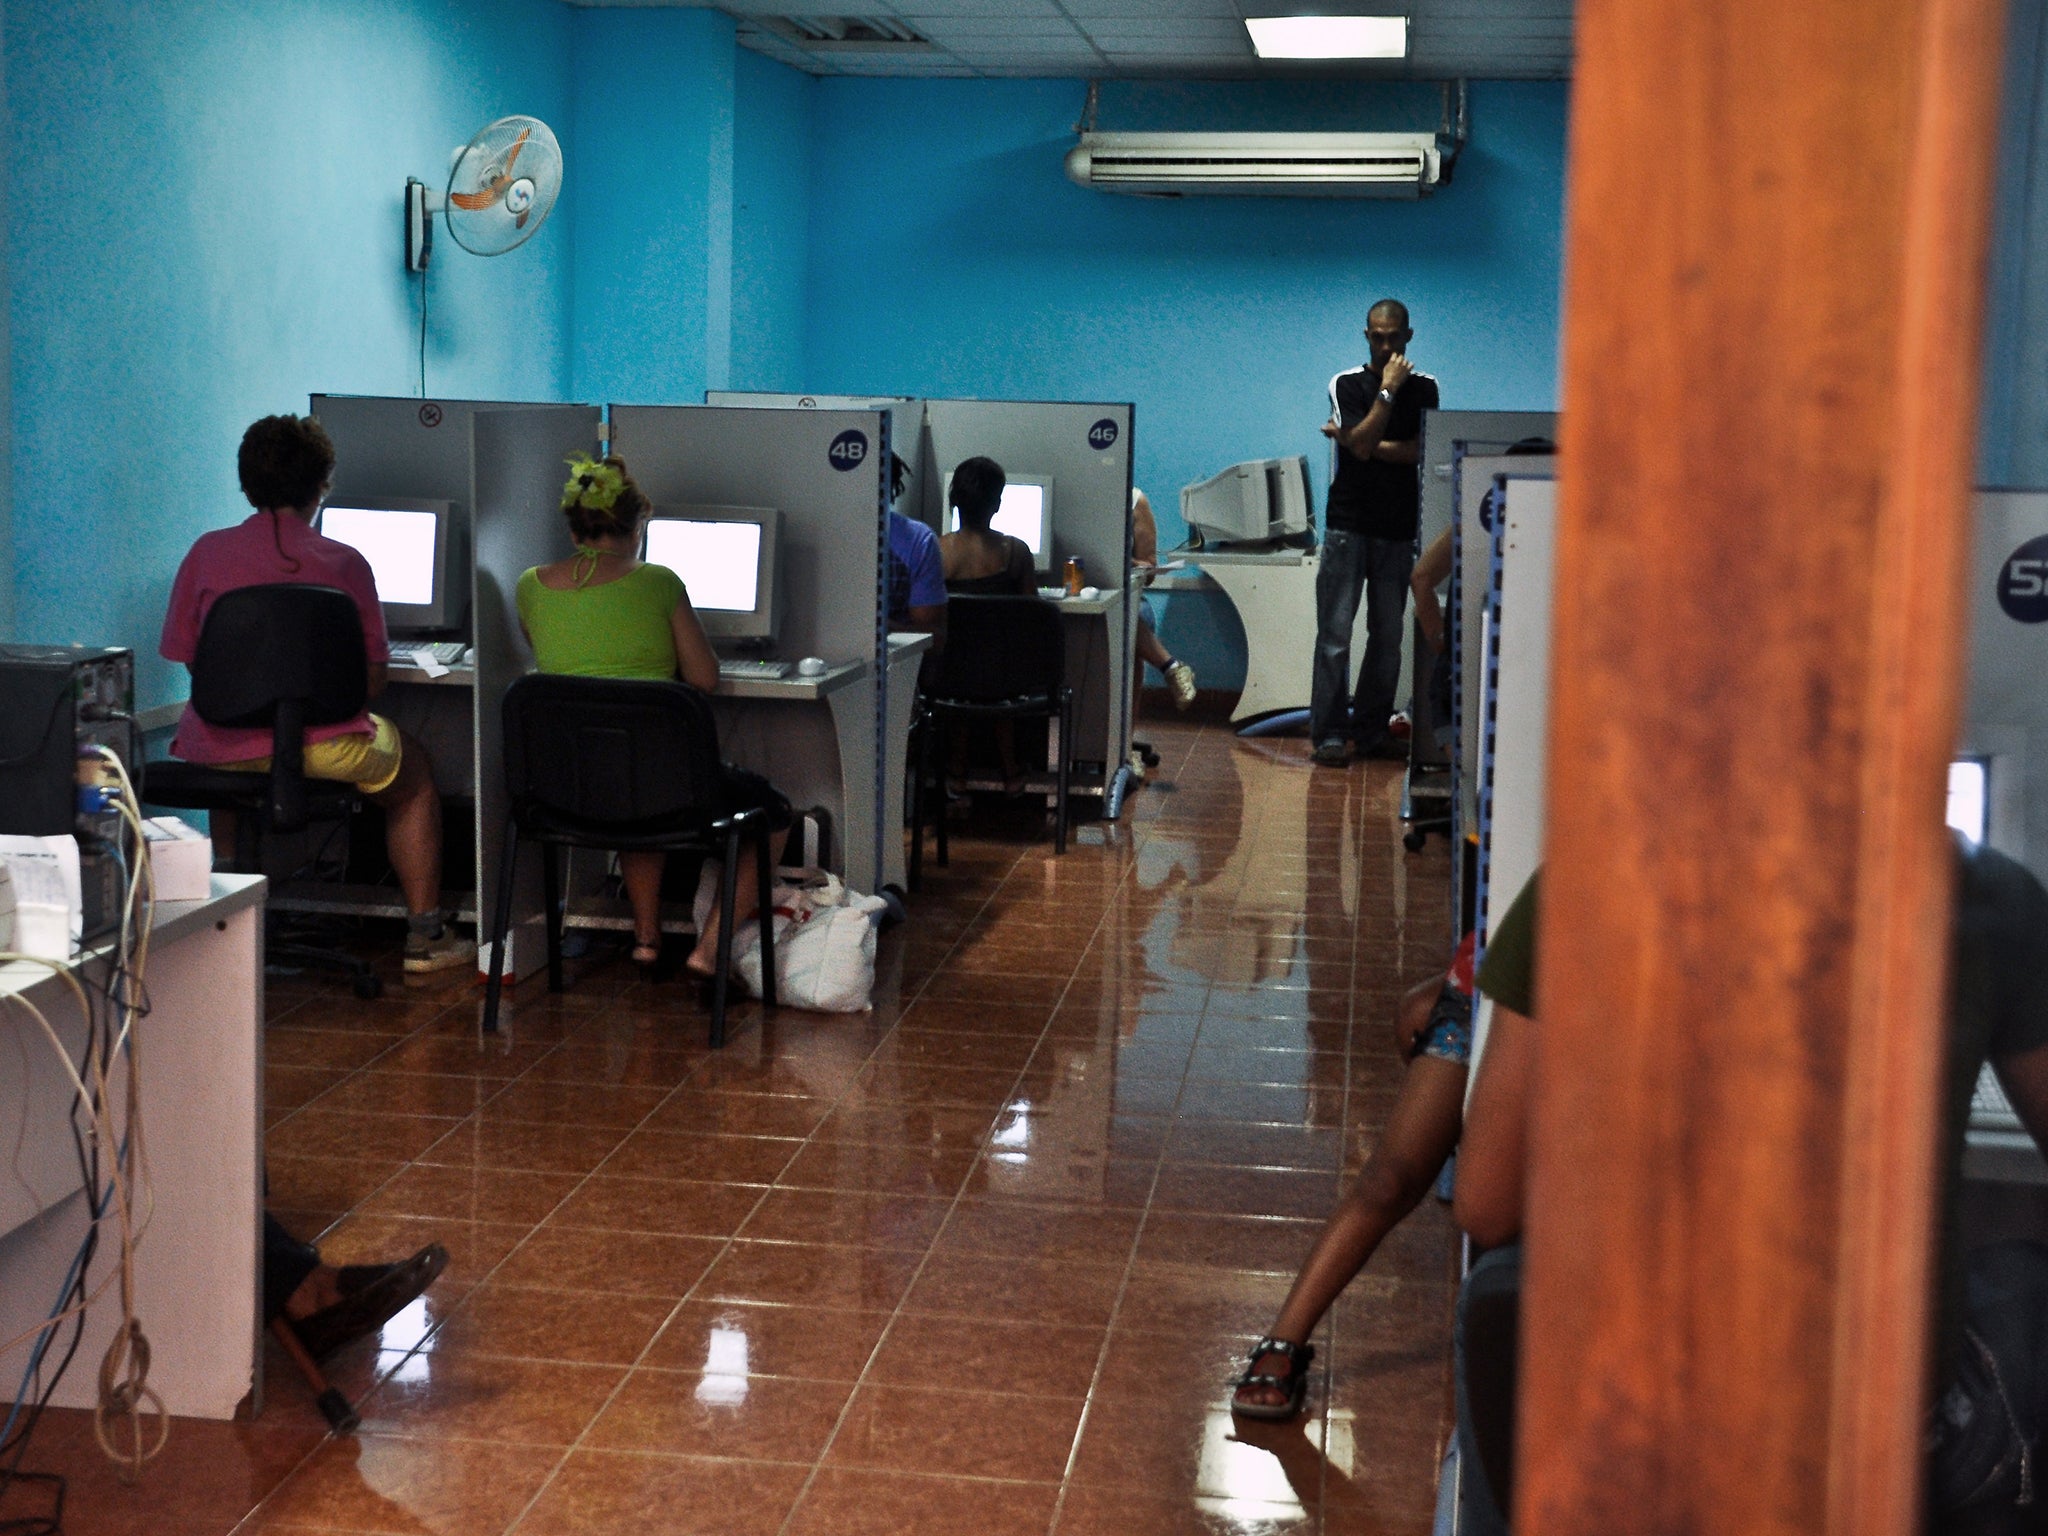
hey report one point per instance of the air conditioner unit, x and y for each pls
(1260, 164)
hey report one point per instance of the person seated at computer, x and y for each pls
(1180, 677)
(978, 561)
(1989, 1372)
(604, 612)
(286, 464)
(917, 574)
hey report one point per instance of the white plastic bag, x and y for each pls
(824, 941)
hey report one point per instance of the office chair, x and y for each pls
(285, 658)
(1005, 659)
(630, 765)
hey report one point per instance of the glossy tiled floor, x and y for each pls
(981, 1261)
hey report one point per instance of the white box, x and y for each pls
(180, 859)
(40, 912)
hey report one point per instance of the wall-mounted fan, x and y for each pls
(501, 186)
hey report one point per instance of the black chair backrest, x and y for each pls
(287, 643)
(1000, 648)
(285, 656)
(610, 751)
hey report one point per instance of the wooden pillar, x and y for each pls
(1777, 229)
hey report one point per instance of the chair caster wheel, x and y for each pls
(368, 988)
(1414, 840)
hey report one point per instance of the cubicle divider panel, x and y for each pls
(403, 446)
(2007, 716)
(1085, 449)
(1473, 468)
(923, 497)
(1445, 433)
(521, 457)
(826, 471)
(1517, 699)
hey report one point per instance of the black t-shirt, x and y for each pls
(1371, 496)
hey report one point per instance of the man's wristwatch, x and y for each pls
(1384, 395)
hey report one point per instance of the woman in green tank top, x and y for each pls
(604, 613)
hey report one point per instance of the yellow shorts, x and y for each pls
(370, 763)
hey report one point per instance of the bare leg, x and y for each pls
(642, 872)
(703, 959)
(412, 827)
(1420, 1134)
(1149, 648)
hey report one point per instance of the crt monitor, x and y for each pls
(1969, 797)
(1025, 513)
(411, 547)
(727, 559)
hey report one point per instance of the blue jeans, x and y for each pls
(1354, 565)
(1485, 1341)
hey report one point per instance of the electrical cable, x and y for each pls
(110, 1007)
(423, 333)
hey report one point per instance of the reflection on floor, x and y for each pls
(982, 1261)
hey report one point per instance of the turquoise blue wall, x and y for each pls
(951, 256)
(652, 192)
(771, 215)
(204, 217)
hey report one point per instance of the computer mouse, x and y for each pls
(1087, 592)
(811, 666)
(468, 658)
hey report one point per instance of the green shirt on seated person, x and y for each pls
(611, 629)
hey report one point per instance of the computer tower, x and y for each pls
(57, 703)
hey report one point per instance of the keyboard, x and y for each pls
(752, 669)
(446, 653)
(1989, 1108)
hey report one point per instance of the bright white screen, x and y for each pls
(398, 545)
(1021, 515)
(1968, 811)
(720, 563)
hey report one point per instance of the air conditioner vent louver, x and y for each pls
(1253, 164)
(843, 34)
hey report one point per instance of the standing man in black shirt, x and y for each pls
(1369, 538)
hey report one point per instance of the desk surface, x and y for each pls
(1282, 557)
(171, 920)
(1086, 605)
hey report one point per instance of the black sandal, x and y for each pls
(1295, 1383)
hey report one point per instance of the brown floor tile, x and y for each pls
(633, 1263)
(324, 1183)
(878, 1169)
(722, 1113)
(1196, 1448)
(1270, 1244)
(464, 1055)
(1016, 1290)
(209, 1475)
(1080, 1178)
(1091, 1235)
(316, 1132)
(1245, 1191)
(712, 1413)
(1035, 1359)
(691, 1155)
(524, 1323)
(961, 1434)
(851, 1502)
(618, 1493)
(489, 1143)
(1254, 1146)
(1226, 1301)
(696, 1208)
(413, 1093)
(460, 1396)
(899, 1082)
(468, 1194)
(1120, 1512)
(852, 1217)
(806, 1274)
(385, 1484)
(569, 1103)
(821, 1343)
(639, 1066)
(952, 1048)
(941, 1128)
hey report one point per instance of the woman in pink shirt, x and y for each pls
(286, 464)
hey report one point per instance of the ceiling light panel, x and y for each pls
(1329, 37)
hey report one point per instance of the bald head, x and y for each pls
(1386, 331)
(1391, 312)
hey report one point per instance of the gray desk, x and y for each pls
(197, 1266)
